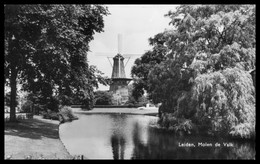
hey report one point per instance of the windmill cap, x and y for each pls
(118, 56)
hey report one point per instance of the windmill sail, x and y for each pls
(120, 43)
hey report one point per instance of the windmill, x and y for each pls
(119, 83)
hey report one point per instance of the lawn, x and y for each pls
(35, 138)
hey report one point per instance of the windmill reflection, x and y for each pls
(118, 146)
(118, 141)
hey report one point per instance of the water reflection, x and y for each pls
(132, 137)
(118, 146)
(118, 140)
(165, 145)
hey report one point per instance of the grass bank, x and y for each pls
(35, 138)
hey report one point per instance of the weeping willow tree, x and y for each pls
(225, 100)
(205, 82)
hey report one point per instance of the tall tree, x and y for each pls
(46, 48)
(143, 65)
(205, 76)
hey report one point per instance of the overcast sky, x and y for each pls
(136, 23)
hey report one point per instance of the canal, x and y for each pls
(125, 136)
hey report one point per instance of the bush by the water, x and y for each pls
(65, 115)
(179, 125)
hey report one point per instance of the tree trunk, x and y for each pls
(13, 94)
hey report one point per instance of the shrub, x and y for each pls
(54, 116)
(66, 115)
(103, 98)
(45, 115)
(179, 125)
(27, 107)
(50, 115)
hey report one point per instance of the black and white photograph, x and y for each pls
(129, 81)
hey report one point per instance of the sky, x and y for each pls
(136, 24)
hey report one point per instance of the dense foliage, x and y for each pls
(103, 98)
(144, 64)
(46, 49)
(205, 82)
(133, 99)
(65, 114)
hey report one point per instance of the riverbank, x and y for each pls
(34, 138)
(145, 111)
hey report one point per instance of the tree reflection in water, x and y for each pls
(165, 145)
(131, 137)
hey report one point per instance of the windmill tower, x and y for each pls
(119, 81)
